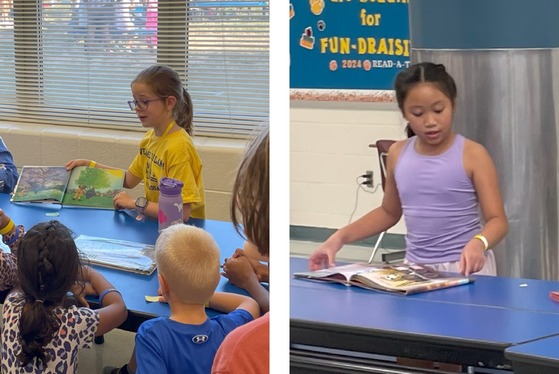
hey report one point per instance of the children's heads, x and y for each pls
(188, 259)
(48, 266)
(251, 193)
(165, 83)
(428, 77)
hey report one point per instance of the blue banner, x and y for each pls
(348, 44)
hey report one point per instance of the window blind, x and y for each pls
(71, 62)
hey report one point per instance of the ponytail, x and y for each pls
(38, 325)
(409, 131)
(183, 112)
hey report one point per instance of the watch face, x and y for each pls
(141, 202)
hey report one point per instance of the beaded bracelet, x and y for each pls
(105, 292)
(92, 164)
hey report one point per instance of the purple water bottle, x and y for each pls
(170, 202)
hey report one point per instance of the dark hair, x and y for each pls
(166, 82)
(48, 266)
(421, 73)
(251, 193)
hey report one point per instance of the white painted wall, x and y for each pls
(329, 149)
(55, 145)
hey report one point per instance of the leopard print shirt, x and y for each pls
(77, 331)
(8, 261)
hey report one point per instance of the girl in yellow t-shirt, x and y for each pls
(166, 150)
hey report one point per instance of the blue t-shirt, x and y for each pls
(167, 346)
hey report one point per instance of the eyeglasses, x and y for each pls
(142, 104)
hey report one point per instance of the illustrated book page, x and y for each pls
(83, 186)
(93, 187)
(118, 254)
(399, 279)
(41, 184)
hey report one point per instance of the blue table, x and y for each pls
(514, 293)
(540, 356)
(470, 325)
(123, 225)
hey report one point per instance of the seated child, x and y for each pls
(250, 204)
(167, 149)
(188, 271)
(8, 171)
(39, 334)
(247, 349)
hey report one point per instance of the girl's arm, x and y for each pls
(482, 171)
(112, 312)
(186, 208)
(130, 180)
(374, 222)
(124, 201)
(11, 235)
(83, 162)
(227, 302)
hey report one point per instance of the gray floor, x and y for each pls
(115, 351)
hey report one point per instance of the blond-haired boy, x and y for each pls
(186, 342)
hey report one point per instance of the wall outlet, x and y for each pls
(368, 179)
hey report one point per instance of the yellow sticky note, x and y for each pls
(152, 299)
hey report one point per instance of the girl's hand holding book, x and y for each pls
(124, 201)
(323, 257)
(472, 259)
(77, 162)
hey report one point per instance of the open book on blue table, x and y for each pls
(118, 254)
(399, 279)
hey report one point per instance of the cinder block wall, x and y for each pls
(329, 149)
(56, 145)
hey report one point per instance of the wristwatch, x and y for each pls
(141, 203)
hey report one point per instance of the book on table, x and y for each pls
(82, 186)
(398, 279)
(117, 254)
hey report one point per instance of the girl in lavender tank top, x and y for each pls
(444, 185)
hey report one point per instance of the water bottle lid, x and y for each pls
(170, 186)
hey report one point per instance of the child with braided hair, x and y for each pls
(39, 333)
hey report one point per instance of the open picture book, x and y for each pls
(117, 254)
(399, 279)
(82, 186)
